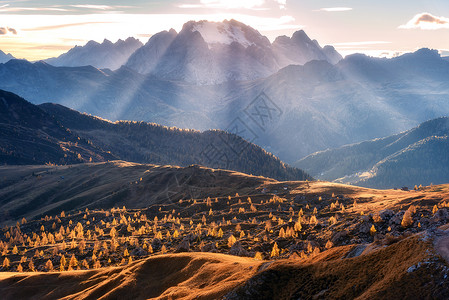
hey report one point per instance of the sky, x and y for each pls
(41, 29)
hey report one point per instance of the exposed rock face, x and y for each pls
(139, 252)
(441, 215)
(184, 246)
(238, 250)
(210, 247)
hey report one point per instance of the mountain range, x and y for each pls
(202, 52)
(415, 157)
(106, 55)
(57, 135)
(214, 52)
(315, 106)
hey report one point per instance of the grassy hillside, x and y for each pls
(261, 241)
(28, 135)
(151, 143)
(36, 191)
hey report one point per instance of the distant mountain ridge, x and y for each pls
(206, 52)
(414, 157)
(5, 57)
(106, 55)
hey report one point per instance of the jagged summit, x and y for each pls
(107, 55)
(5, 57)
(206, 52)
(226, 33)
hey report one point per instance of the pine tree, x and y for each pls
(435, 209)
(49, 266)
(372, 230)
(73, 261)
(275, 250)
(6, 263)
(31, 265)
(258, 256)
(97, 264)
(85, 264)
(231, 241)
(407, 219)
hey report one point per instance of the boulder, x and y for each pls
(184, 246)
(238, 250)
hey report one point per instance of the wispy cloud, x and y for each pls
(426, 21)
(99, 7)
(364, 43)
(91, 6)
(227, 4)
(7, 8)
(335, 9)
(59, 26)
(282, 3)
(369, 52)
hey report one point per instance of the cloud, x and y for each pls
(12, 30)
(335, 9)
(6, 8)
(361, 43)
(6, 30)
(99, 7)
(227, 4)
(59, 26)
(369, 52)
(91, 6)
(282, 3)
(426, 21)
